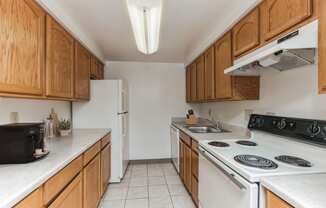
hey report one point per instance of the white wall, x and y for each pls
(31, 110)
(156, 93)
(289, 93)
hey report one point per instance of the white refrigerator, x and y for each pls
(108, 108)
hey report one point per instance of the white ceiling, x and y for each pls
(185, 25)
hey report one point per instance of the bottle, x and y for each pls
(55, 122)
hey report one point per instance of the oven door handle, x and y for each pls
(231, 176)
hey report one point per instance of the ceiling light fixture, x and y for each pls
(145, 17)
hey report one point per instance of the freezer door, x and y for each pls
(123, 96)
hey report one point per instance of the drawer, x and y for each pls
(92, 152)
(194, 146)
(185, 138)
(55, 184)
(72, 196)
(33, 200)
(105, 140)
(273, 201)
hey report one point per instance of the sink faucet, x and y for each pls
(216, 123)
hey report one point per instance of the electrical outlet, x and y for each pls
(14, 117)
(248, 113)
(210, 112)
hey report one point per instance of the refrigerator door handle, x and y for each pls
(123, 113)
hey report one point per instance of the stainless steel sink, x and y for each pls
(205, 129)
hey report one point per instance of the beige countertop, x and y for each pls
(18, 181)
(300, 191)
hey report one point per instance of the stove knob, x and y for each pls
(282, 124)
(292, 125)
(314, 129)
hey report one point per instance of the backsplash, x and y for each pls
(292, 93)
(31, 110)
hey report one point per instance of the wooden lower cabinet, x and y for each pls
(273, 201)
(105, 168)
(194, 190)
(34, 200)
(181, 160)
(194, 176)
(54, 185)
(72, 196)
(187, 165)
(188, 161)
(92, 183)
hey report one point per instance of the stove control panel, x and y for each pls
(313, 131)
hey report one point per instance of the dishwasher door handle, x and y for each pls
(231, 176)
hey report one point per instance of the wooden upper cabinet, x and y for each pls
(280, 15)
(223, 60)
(322, 48)
(210, 74)
(188, 84)
(22, 50)
(200, 66)
(82, 72)
(60, 61)
(273, 201)
(193, 83)
(246, 33)
(97, 69)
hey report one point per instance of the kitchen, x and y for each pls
(253, 72)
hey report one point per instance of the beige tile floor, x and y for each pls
(148, 186)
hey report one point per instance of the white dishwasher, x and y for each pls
(174, 133)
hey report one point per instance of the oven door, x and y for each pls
(221, 187)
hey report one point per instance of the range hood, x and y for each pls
(291, 51)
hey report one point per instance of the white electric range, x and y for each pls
(230, 170)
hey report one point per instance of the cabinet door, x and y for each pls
(22, 41)
(92, 183)
(280, 15)
(193, 82)
(223, 60)
(200, 66)
(187, 170)
(82, 72)
(188, 84)
(273, 201)
(209, 74)
(246, 33)
(181, 160)
(60, 61)
(72, 196)
(101, 71)
(94, 68)
(33, 200)
(194, 164)
(105, 168)
(322, 48)
(194, 190)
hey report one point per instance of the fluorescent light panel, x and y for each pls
(145, 17)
